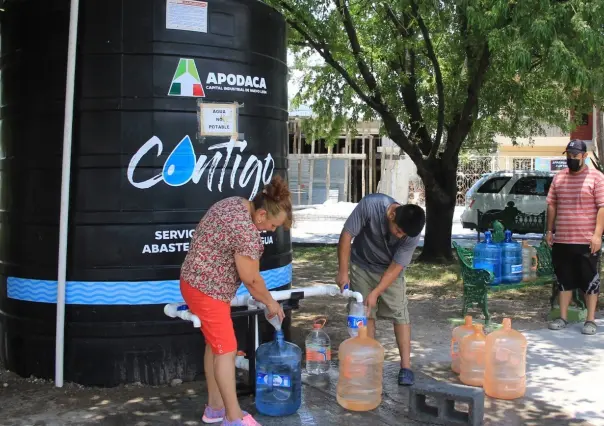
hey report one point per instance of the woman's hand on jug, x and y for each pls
(275, 308)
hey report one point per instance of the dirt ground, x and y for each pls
(434, 293)
(434, 297)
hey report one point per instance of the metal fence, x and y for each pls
(313, 176)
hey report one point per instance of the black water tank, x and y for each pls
(142, 176)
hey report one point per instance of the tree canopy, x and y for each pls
(439, 74)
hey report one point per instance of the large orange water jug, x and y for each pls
(458, 334)
(505, 363)
(361, 368)
(472, 358)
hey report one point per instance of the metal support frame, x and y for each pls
(253, 341)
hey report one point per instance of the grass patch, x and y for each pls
(434, 280)
(324, 257)
(422, 278)
(425, 279)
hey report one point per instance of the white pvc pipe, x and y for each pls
(172, 309)
(256, 332)
(320, 290)
(65, 181)
(240, 300)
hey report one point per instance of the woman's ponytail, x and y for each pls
(276, 198)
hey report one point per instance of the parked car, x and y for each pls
(516, 198)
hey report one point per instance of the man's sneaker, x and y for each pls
(211, 416)
(406, 377)
(247, 420)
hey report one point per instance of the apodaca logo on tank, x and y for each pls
(186, 82)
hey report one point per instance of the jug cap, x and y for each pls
(507, 323)
(362, 331)
(478, 328)
(468, 320)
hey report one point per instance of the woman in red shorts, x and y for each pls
(225, 251)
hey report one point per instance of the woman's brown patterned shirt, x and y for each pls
(225, 230)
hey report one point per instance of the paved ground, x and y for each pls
(182, 405)
(322, 224)
(565, 372)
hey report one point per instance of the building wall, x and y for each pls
(585, 131)
(319, 189)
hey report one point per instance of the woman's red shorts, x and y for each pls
(215, 316)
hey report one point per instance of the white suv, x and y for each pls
(516, 198)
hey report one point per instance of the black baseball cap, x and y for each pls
(575, 147)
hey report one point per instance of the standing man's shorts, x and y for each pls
(576, 268)
(392, 304)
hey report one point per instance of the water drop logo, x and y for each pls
(178, 168)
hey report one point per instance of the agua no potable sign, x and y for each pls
(218, 119)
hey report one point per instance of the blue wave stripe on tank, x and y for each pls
(120, 292)
(273, 278)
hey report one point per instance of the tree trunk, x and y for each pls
(441, 192)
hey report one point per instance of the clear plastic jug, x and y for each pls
(472, 358)
(529, 262)
(505, 363)
(361, 368)
(458, 334)
(511, 259)
(356, 317)
(278, 377)
(318, 350)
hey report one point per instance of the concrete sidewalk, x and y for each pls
(566, 369)
(565, 372)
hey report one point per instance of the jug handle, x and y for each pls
(270, 381)
(322, 321)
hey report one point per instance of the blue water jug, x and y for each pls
(278, 377)
(511, 259)
(487, 255)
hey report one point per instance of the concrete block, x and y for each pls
(443, 411)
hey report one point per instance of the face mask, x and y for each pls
(574, 164)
